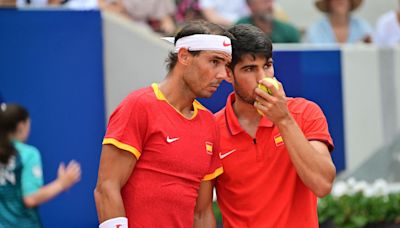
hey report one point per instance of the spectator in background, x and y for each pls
(156, 14)
(223, 12)
(339, 26)
(187, 10)
(388, 29)
(262, 16)
(21, 180)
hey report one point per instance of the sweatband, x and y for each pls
(121, 222)
(204, 42)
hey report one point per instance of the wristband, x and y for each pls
(119, 222)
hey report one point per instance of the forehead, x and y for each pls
(253, 59)
(223, 56)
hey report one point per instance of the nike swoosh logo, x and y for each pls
(222, 156)
(170, 140)
(226, 44)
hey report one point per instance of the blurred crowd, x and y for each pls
(336, 25)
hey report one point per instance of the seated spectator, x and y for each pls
(262, 16)
(223, 12)
(388, 29)
(187, 10)
(157, 14)
(339, 26)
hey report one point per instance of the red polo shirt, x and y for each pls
(260, 186)
(174, 155)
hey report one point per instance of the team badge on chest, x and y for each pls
(209, 148)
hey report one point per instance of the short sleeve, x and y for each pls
(127, 126)
(216, 165)
(32, 174)
(315, 126)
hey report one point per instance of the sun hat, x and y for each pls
(322, 5)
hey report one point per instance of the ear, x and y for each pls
(184, 57)
(20, 126)
(229, 75)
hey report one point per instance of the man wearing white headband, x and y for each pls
(160, 148)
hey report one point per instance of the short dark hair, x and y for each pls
(192, 28)
(249, 40)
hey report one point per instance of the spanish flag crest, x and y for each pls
(278, 140)
(209, 148)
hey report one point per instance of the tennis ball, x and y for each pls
(272, 81)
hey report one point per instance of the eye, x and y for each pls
(215, 62)
(267, 66)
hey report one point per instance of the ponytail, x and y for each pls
(10, 116)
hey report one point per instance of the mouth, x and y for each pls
(213, 88)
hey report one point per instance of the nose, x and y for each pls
(260, 74)
(222, 73)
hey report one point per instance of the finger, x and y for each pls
(262, 94)
(61, 167)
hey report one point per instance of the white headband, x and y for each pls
(204, 42)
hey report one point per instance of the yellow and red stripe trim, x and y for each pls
(160, 96)
(122, 146)
(213, 175)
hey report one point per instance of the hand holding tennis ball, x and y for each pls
(272, 81)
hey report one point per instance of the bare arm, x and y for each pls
(212, 16)
(67, 176)
(203, 213)
(116, 166)
(311, 159)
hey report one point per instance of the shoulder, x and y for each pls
(27, 152)
(360, 22)
(305, 108)
(203, 110)
(319, 24)
(143, 94)
(139, 97)
(386, 18)
(220, 118)
(244, 20)
(285, 25)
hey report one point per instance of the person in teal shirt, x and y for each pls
(21, 179)
(262, 17)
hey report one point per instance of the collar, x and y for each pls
(160, 96)
(232, 122)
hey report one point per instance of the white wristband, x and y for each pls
(119, 222)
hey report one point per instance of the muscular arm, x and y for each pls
(311, 159)
(116, 166)
(203, 213)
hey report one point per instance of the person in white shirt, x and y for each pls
(224, 12)
(388, 29)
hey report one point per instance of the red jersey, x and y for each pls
(174, 155)
(260, 186)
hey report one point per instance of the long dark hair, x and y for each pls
(10, 116)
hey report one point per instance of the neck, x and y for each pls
(17, 137)
(245, 111)
(177, 94)
(398, 15)
(338, 19)
(264, 25)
